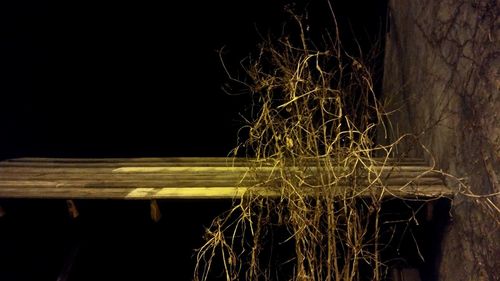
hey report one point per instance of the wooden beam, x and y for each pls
(212, 192)
(190, 178)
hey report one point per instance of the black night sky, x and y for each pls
(119, 79)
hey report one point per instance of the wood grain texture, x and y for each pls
(193, 178)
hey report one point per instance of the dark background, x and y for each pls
(124, 79)
(118, 78)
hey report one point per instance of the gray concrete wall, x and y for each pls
(442, 71)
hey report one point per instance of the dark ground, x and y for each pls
(119, 79)
(112, 240)
(118, 240)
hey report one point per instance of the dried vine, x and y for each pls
(310, 140)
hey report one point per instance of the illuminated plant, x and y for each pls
(321, 177)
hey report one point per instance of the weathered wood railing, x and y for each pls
(181, 178)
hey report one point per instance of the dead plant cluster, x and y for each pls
(314, 120)
(310, 141)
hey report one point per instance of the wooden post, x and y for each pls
(155, 211)
(72, 210)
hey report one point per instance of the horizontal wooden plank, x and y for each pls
(164, 162)
(188, 170)
(184, 176)
(175, 160)
(116, 178)
(209, 192)
(181, 183)
(124, 162)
